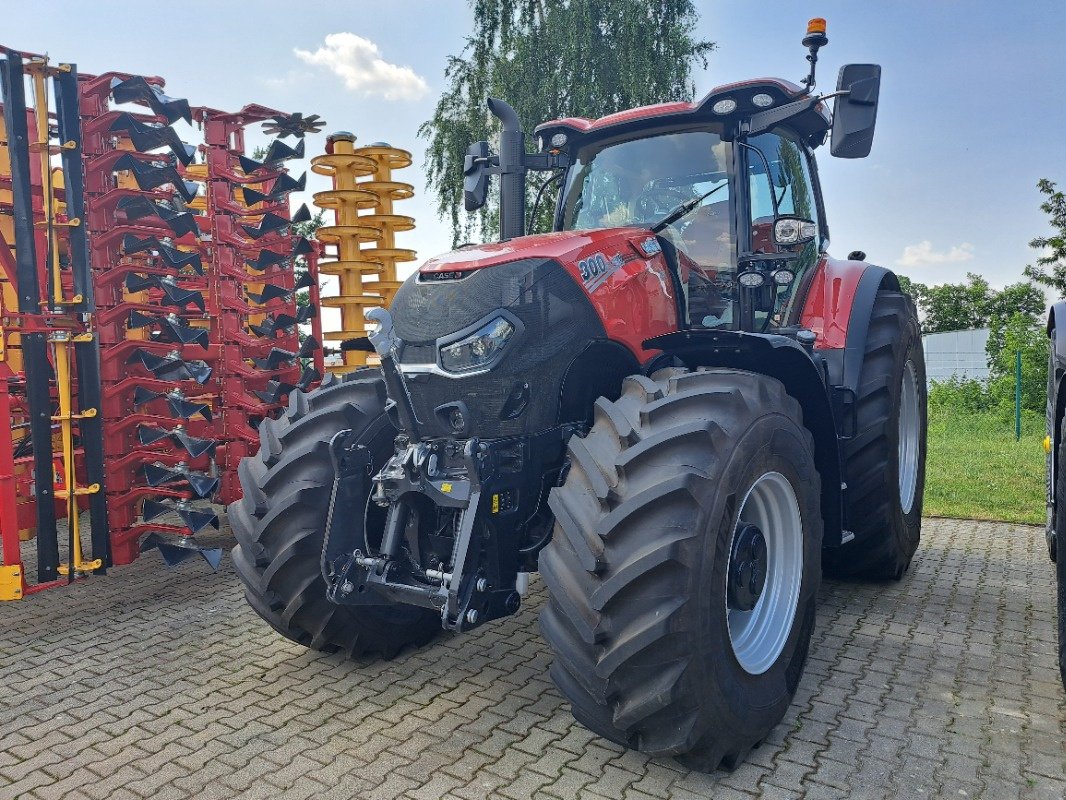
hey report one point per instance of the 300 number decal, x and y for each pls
(593, 267)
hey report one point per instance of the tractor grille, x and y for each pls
(558, 322)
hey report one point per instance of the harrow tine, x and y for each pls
(303, 213)
(269, 224)
(304, 313)
(142, 396)
(179, 296)
(150, 176)
(137, 89)
(202, 485)
(302, 246)
(194, 446)
(175, 551)
(146, 137)
(307, 377)
(156, 474)
(195, 519)
(187, 409)
(267, 258)
(274, 392)
(270, 292)
(274, 359)
(308, 347)
(251, 196)
(148, 435)
(181, 222)
(279, 151)
(171, 255)
(286, 183)
(185, 334)
(135, 282)
(303, 282)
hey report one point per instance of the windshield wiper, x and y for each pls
(684, 209)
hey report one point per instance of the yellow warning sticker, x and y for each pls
(446, 487)
(495, 504)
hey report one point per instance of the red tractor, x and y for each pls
(677, 407)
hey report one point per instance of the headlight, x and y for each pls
(479, 349)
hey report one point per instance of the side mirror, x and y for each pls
(855, 114)
(476, 176)
(794, 230)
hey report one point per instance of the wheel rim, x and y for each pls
(760, 621)
(909, 435)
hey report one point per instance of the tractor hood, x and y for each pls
(566, 247)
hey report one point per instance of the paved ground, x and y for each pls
(157, 684)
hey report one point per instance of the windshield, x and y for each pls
(640, 181)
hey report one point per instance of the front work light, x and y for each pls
(751, 280)
(726, 106)
(479, 349)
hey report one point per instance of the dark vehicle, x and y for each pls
(677, 407)
(1055, 448)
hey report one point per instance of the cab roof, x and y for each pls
(811, 125)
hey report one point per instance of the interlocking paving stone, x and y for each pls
(154, 683)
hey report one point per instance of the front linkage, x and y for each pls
(464, 519)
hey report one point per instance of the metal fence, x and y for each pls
(958, 354)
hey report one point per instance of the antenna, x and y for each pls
(814, 39)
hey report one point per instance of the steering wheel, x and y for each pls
(656, 202)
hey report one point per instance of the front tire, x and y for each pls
(649, 573)
(280, 523)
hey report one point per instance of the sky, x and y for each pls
(972, 109)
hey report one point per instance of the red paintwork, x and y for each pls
(635, 303)
(827, 309)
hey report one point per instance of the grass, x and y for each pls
(975, 469)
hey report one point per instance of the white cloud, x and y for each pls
(358, 61)
(916, 255)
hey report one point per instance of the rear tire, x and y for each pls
(886, 479)
(1060, 551)
(280, 523)
(642, 615)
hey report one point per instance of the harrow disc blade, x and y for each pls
(185, 334)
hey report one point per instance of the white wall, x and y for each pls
(959, 354)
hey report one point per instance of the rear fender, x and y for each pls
(782, 358)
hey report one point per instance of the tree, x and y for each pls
(973, 304)
(1020, 336)
(1050, 269)
(550, 59)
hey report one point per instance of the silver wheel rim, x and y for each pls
(758, 636)
(909, 434)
